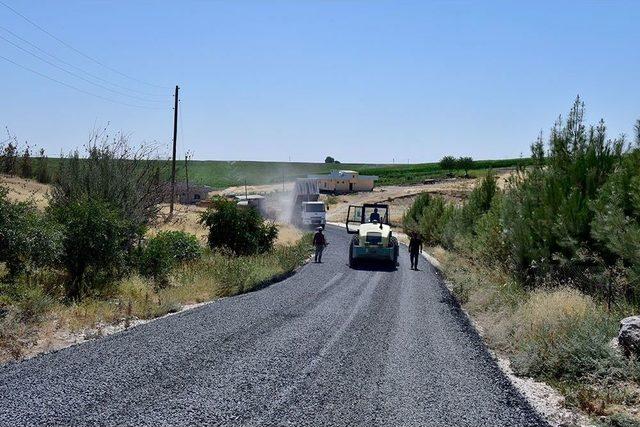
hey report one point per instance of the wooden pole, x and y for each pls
(173, 161)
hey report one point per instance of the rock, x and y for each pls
(629, 335)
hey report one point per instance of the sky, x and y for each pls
(375, 81)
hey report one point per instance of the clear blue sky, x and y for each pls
(364, 81)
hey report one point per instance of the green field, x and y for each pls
(221, 174)
(416, 173)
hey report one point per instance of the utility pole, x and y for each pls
(186, 171)
(173, 161)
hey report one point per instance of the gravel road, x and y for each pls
(328, 346)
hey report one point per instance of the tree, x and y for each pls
(329, 159)
(25, 169)
(448, 163)
(9, 158)
(465, 163)
(239, 229)
(42, 168)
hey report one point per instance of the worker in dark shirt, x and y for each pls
(320, 243)
(415, 247)
(375, 216)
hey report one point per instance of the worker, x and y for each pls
(320, 243)
(415, 247)
(375, 216)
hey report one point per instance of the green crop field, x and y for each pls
(221, 174)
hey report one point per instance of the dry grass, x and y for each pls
(135, 298)
(558, 335)
(550, 313)
(21, 190)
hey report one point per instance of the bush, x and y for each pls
(239, 229)
(97, 240)
(27, 239)
(125, 178)
(164, 251)
(33, 303)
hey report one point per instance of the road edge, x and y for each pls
(105, 330)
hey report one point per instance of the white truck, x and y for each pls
(314, 214)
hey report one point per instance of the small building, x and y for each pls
(344, 181)
(253, 200)
(190, 194)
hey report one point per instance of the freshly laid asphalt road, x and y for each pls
(328, 346)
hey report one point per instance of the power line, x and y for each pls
(76, 88)
(33, 45)
(78, 51)
(74, 74)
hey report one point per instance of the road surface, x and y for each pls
(328, 346)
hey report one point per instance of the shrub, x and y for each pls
(561, 335)
(125, 178)
(97, 240)
(239, 229)
(332, 200)
(33, 303)
(162, 252)
(27, 239)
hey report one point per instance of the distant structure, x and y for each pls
(191, 194)
(253, 200)
(344, 181)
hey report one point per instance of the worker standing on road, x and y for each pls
(320, 243)
(415, 247)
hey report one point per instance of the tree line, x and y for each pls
(572, 216)
(17, 161)
(450, 163)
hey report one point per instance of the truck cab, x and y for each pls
(314, 214)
